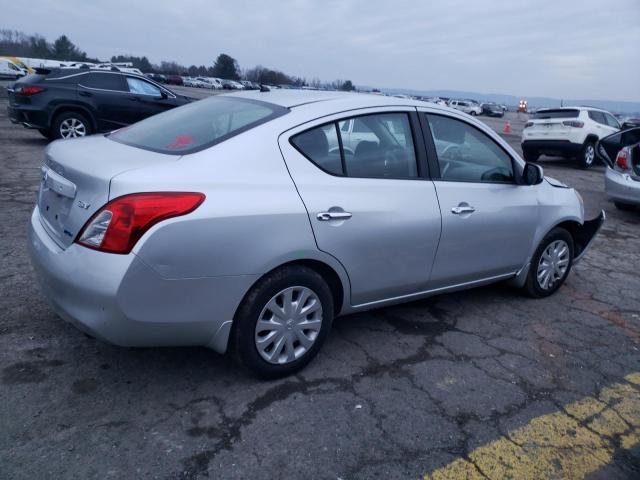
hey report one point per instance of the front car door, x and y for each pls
(374, 209)
(147, 99)
(488, 218)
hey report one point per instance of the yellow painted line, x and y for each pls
(568, 444)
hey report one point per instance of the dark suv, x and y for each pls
(67, 103)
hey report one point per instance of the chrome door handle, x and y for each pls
(326, 216)
(459, 210)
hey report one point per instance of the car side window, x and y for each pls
(466, 154)
(141, 87)
(383, 148)
(321, 146)
(611, 120)
(597, 117)
(103, 81)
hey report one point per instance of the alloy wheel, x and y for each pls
(288, 325)
(589, 154)
(553, 264)
(72, 128)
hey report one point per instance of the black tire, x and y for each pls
(473, 113)
(70, 116)
(530, 155)
(532, 287)
(244, 326)
(45, 132)
(587, 156)
(627, 207)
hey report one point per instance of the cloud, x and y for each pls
(570, 49)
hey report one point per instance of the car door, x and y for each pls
(374, 209)
(488, 219)
(105, 94)
(146, 99)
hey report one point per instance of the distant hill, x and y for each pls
(512, 100)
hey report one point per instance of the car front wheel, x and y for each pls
(551, 264)
(283, 321)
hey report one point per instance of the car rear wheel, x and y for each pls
(71, 125)
(283, 321)
(551, 264)
(588, 154)
(473, 113)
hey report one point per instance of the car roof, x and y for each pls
(291, 98)
(576, 107)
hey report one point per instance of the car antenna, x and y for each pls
(264, 88)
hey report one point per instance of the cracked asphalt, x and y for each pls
(484, 383)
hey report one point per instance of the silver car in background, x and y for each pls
(620, 152)
(243, 221)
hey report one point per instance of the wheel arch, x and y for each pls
(73, 108)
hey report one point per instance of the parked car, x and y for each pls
(491, 109)
(231, 85)
(174, 80)
(230, 223)
(571, 132)
(67, 103)
(630, 122)
(157, 77)
(466, 107)
(248, 85)
(188, 82)
(620, 152)
(9, 69)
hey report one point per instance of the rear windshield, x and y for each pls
(198, 125)
(563, 113)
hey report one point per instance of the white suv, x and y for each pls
(466, 106)
(571, 132)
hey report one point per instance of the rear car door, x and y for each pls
(602, 127)
(488, 219)
(105, 94)
(374, 209)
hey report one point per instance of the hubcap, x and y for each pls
(288, 325)
(589, 154)
(72, 128)
(553, 264)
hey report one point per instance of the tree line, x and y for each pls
(19, 44)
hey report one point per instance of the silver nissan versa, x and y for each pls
(249, 221)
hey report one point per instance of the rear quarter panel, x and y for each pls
(251, 221)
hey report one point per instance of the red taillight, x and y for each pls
(117, 226)
(622, 160)
(573, 123)
(28, 90)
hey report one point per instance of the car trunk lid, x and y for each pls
(76, 178)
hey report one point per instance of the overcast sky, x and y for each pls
(582, 49)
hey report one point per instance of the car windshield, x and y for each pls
(197, 125)
(559, 113)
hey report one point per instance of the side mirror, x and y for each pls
(532, 174)
(163, 95)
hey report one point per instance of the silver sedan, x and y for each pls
(620, 152)
(244, 222)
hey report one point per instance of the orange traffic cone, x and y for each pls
(507, 127)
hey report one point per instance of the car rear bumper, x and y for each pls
(562, 147)
(121, 300)
(29, 118)
(621, 187)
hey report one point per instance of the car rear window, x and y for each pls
(198, 125)
(559, 113)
